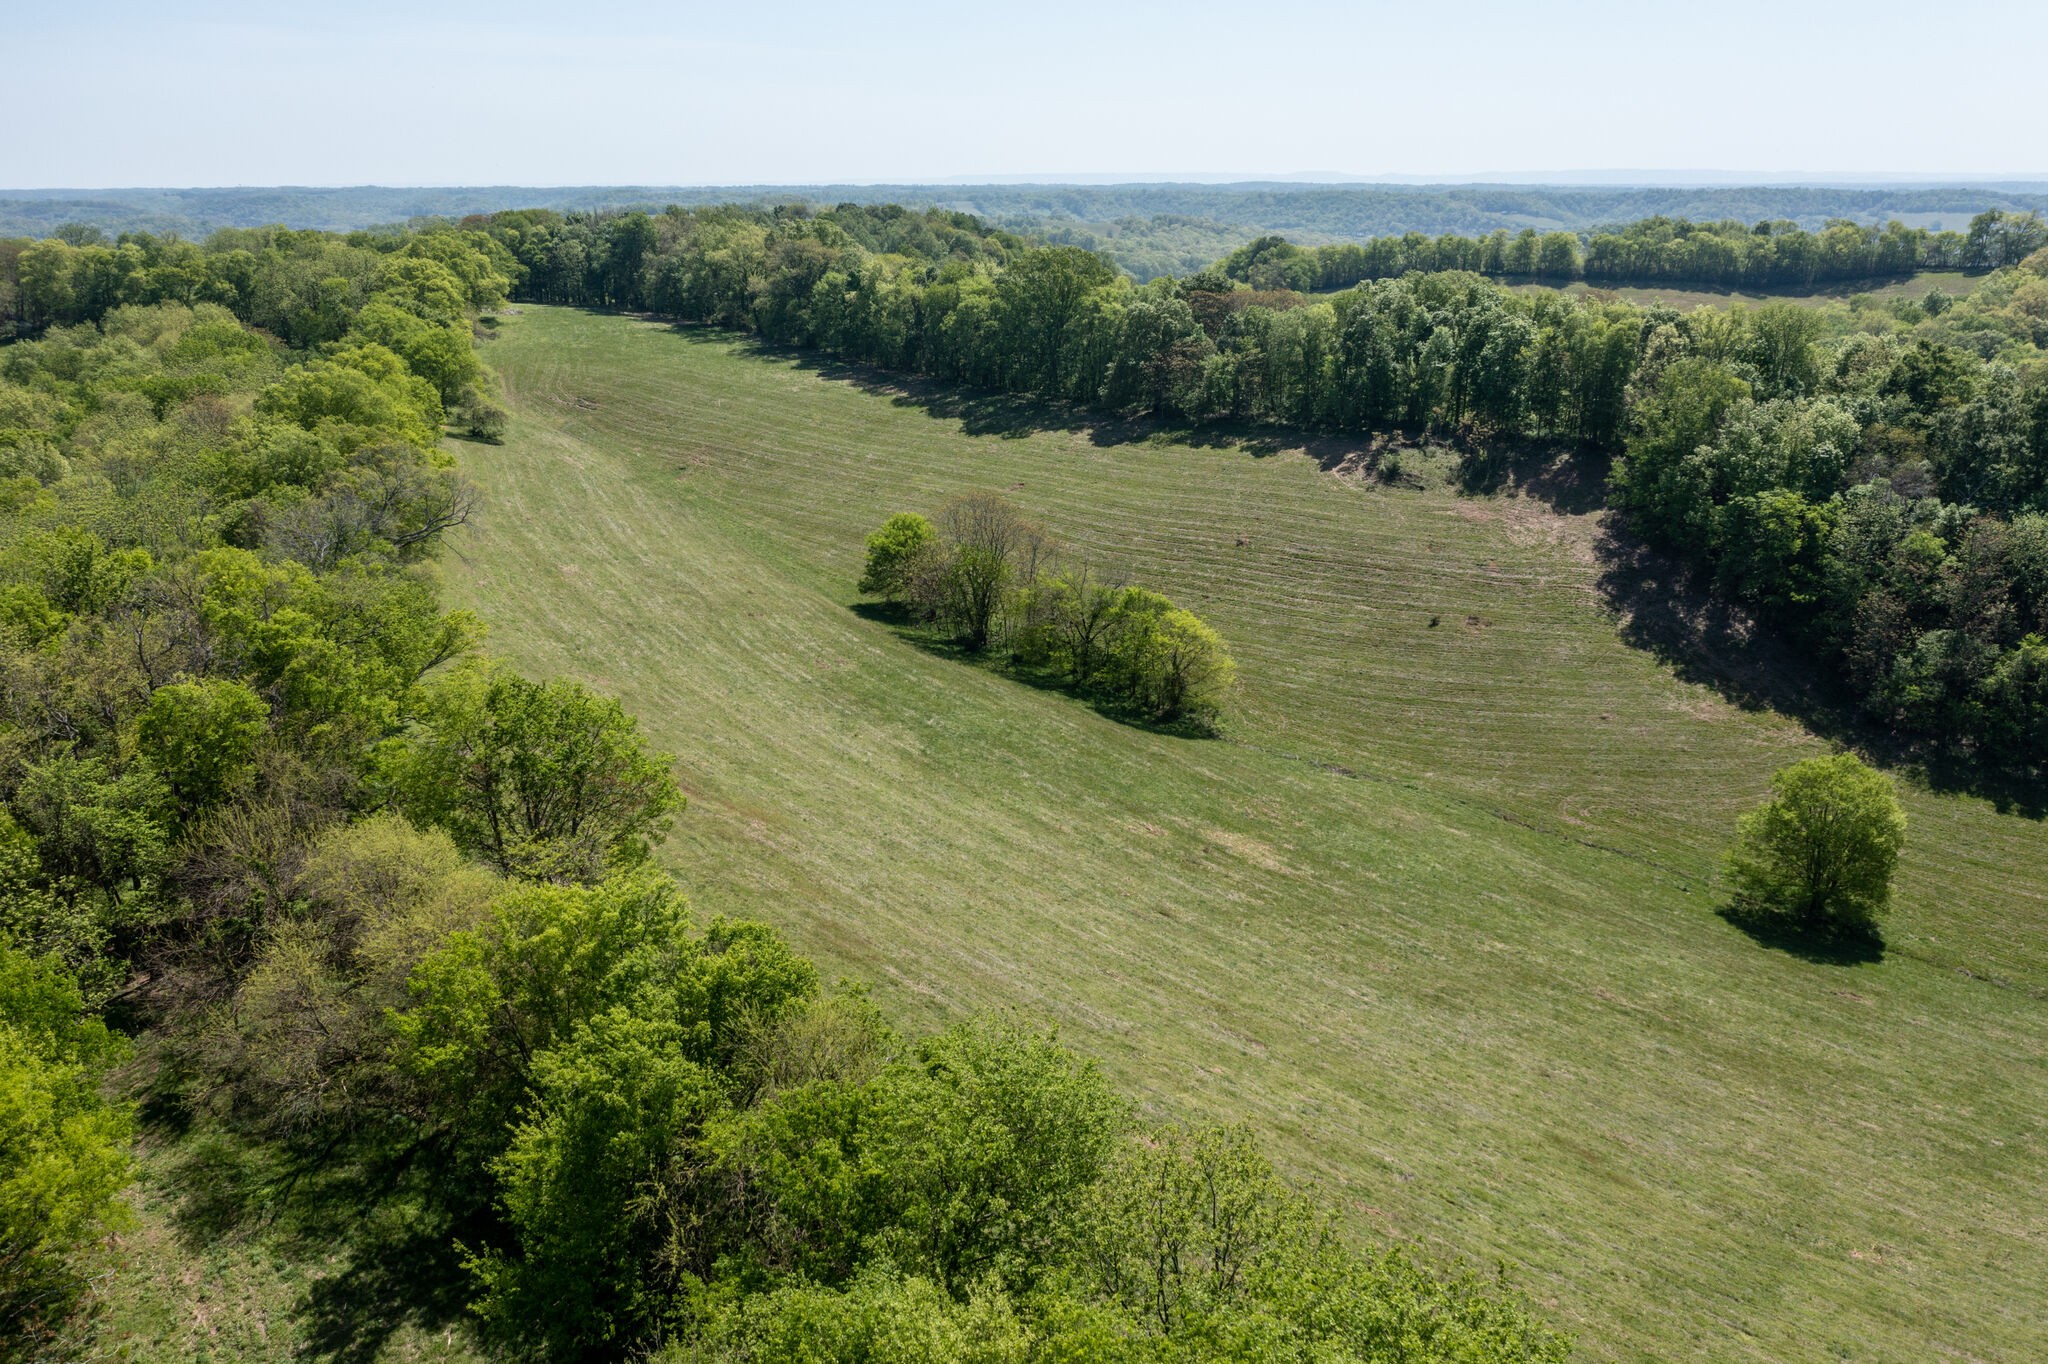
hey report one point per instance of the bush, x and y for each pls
(1822, 850)
(892, 551)
(481, 418)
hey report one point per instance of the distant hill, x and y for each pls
(1148, 228)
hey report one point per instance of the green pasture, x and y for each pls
(1437, 912)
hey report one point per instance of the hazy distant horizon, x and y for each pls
(464, 93)
(1579, 179)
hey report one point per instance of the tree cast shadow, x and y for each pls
(1859, 946)
(907, 628)
(1669, 610)
(367, 1214)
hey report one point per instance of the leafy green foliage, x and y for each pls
(989, 575)
(893, 552)
(1823, 849)
(546, 781)
(202, 738)
(1185, 1248)
(63, 1158)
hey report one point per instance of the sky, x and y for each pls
(446, 92)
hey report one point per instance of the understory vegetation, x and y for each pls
(992, 577)
(370, 900)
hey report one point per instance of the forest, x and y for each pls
(1147, 229)
(332, 894)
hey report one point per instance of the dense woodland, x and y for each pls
(370, 911)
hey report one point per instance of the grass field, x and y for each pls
(1437, 914)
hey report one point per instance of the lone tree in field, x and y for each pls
(1822, 850)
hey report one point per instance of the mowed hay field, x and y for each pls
(1437, 914)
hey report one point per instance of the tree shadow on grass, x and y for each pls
(400, 1268)
(1570, 482)
(906, 628)
(1013, 416)
(380, 1247)
(1860, 946)
(1671, 611)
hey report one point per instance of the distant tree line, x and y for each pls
(1720, 255)
(1149, 229)
(991, 577)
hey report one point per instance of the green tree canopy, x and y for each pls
(63, 1156)
(1823, 848)
(546, 781)
(892, 552)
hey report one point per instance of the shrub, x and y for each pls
(892, 551)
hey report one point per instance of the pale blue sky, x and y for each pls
(235, 92)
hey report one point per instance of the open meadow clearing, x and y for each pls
(1436, 913)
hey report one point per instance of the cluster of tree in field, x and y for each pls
(1720, 255)
(992, 577)
(1870, 477)
(374, 905)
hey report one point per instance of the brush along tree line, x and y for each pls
(372, 908)
(991, 577)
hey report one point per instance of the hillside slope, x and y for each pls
(1437, 914)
